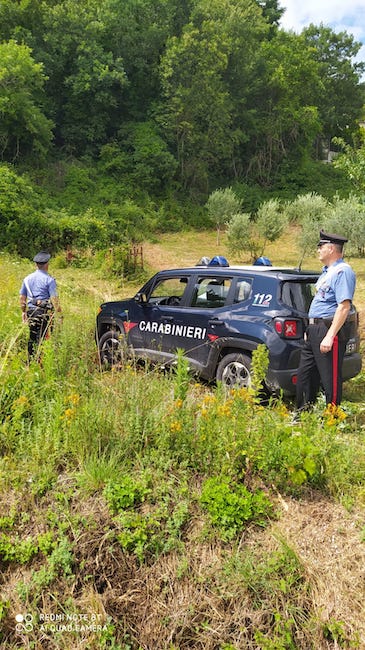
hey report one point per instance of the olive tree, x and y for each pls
(271, 221)
(251, 235)
(221, 206)
(241, 236)
(347, 217)
(310, 211)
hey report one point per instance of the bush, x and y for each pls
(231, 505)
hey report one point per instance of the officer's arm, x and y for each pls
(23, 306)
(339, 318)
(56, 303)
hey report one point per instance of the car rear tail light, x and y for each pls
(287, 328)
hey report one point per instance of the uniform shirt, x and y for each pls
(38, 286)
(334, 285)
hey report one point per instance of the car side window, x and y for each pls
(243, 289)
(298, 295)
(211, 293)
(169, 291)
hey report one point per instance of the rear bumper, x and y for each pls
(351, 366)
(285, 380)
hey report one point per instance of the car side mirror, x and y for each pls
(141, 298)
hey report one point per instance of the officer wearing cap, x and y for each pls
(327, 333)
(38, 301)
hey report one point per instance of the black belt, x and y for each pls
(315, 321)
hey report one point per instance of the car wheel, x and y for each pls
(111, 349)
(234, 370)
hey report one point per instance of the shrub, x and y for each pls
(221, 206)
(231, 505)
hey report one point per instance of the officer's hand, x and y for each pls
(24, 317)
(326, 344)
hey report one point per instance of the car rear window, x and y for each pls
(298, 295)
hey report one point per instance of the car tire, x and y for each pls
(234, 370)
(112, 349)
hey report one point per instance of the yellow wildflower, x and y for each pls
(282, 410)
(21, 401)
(224, 410)
(209, 400)
(74, 398)
(175, 426)
(334, 414)
(68, 414)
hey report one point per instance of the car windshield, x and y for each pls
(298, 295)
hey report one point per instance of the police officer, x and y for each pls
(38, 301)
(327, 334)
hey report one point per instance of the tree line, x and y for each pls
(193, 91)
(117, 108)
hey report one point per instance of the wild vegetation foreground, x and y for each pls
(141, 509)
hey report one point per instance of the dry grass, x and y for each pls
(327, 540)
(185, 249)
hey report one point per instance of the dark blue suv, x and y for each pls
(218, 316)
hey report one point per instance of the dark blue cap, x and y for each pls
(42, 258)
(327, 238)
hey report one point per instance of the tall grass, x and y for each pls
(141, 465)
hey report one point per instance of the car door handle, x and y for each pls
(215, 321)
(168, 319)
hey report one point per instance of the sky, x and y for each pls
(340, 15)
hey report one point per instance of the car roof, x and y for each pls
(277, 271)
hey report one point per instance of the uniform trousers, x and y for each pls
(40, 323)
(317, 368)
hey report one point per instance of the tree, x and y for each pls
(286, 118)
(221, 205)
(341, 97)
(150, 164)
(351, 160)
(246, 234)
(347, 217)
(87, 78)
(271, 221)
(241, 236)
(271, 12)
(311, 212)
(23, 128)
(310, 206)
(214, 55)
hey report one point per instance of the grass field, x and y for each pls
(146, 511)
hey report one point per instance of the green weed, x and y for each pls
(231, 506)
(125, 493)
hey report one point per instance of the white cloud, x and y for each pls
(341, 16)
(300, 13)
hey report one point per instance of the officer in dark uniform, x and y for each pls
(327, 334)
(38, 301)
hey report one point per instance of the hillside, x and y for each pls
(142, 510)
